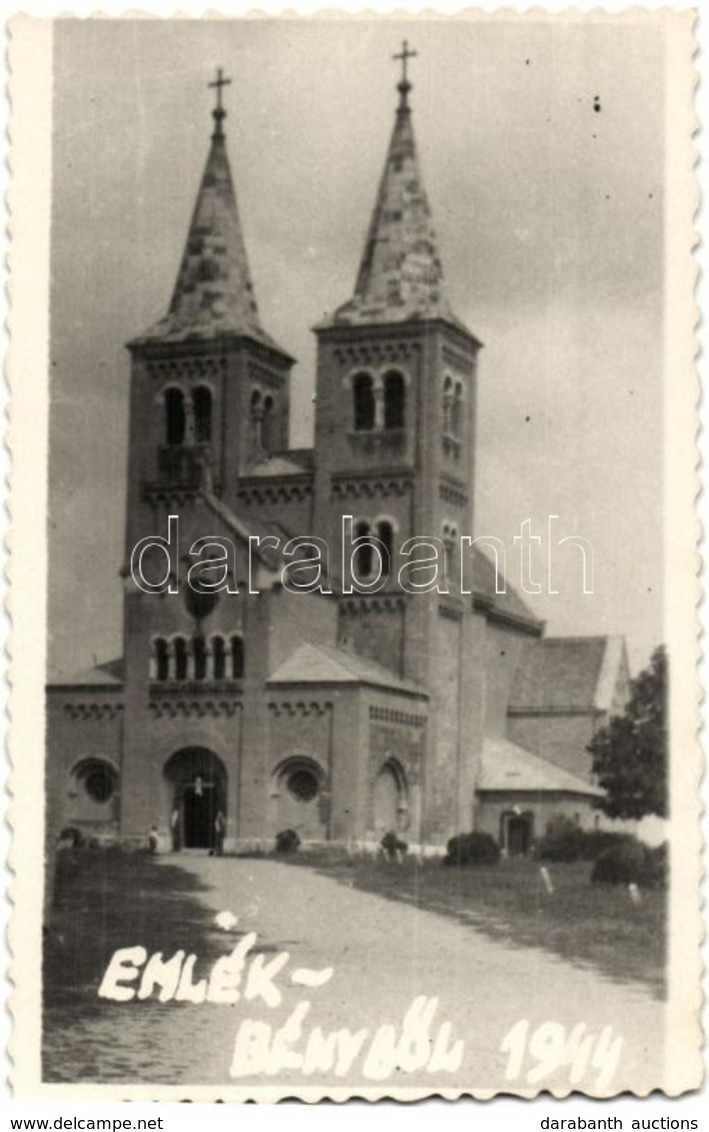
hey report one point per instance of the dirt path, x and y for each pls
(383, 956)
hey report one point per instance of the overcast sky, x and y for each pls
(549, 219)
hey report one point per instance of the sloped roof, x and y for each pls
(278, 465)
(508, 604)
(270, 556)
(557, 673)
(400, 276)
(324, 664)
(106, 675)
(505, 766)
(213, 294)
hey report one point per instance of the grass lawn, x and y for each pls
(590, 925)
(106, 899)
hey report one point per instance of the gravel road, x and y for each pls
(407, 1000)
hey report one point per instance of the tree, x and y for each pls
(630, 752)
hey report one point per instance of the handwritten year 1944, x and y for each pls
(547, 1048)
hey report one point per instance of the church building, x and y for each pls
(346, 714)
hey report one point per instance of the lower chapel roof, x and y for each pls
(507, 767)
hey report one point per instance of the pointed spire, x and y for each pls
(400, 276)
(213, 295)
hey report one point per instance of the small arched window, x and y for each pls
(199, 649)
(180, 651)
(362, 554)
(218, 658)
(202, 406)
(394, 400)
(237, 658)
(447, 406)
(174, 417)
(385, 534)
(450, 540)
(457, 412)
(363, 394)
(268, 427)
(161, 655)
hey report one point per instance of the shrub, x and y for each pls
(566, 841)
(624, 863)
(563, 841)
(393, 846)
(657, 866)
(472, 849)
(73, 837)
(287, 841)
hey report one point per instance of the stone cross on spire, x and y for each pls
(219, 113)
(404, 86)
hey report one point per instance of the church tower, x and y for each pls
(209, 399)
(210, 386)
(394, 437)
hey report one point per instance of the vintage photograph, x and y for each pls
(361, 596)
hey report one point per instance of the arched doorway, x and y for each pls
(517, 832)
(390, 799)
(198, 779)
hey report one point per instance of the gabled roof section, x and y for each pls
(505, 766)
(507, 606)
(255, 528)
(276, 465)
(324, 664)
(107, 675)
(214, 294)
(400, 276)
(567, 674)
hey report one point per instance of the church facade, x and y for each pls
(342, 714)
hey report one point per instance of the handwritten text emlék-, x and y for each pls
(416, 1044)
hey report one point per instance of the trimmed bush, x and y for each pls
(627, 862)
(566, 841)
(393, 846)
(562, 841)
(287, 841)
(472, 849)
(657, 866)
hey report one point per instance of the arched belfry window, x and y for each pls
(180, 650)
(218, 658)
(202, 406)
(363, 551)
(161, 659)
(450, 543)
(457, 412)
(237, 658)
(385, 534)
(394, 400)
(363, 395)
(268, 425)
(174, 417)
(199, 648)
(447, 407)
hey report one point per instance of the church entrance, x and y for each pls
(199, 781)
(517, 833)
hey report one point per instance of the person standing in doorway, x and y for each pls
(219, 833)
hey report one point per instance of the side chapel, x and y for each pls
(342, 716)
